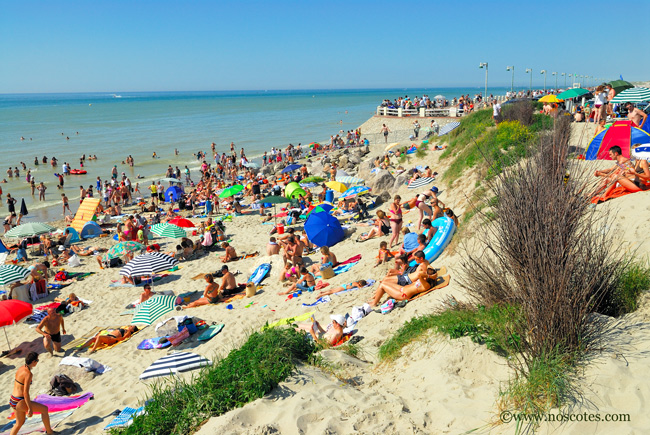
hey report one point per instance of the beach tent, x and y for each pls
(91, 230)
(86, 213)
(173, 192)
(293, 189)
(621, 133)
(75, 235)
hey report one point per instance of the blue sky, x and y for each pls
(140, 45)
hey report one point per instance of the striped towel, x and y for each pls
(125, 417)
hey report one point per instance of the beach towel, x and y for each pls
(86, 363)
(343, 268)
(79, 342)
(154, 343)
(128, 312)
(37, 316)
(234, 297)
(35, 424)
(354, 259)
(107, 331)
(60, 403)
(321, 300)
(616, 193)
(125, 417)
(289, 320)
(178, 338)
(442, 281)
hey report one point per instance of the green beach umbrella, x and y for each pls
(29, 229)
(620, 85)
(230, 191)
(168, 230)
(275, 200)
(122, 248)
(313, 179)
(572, 93)
(10, 273)
(150, 310)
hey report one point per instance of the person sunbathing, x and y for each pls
(331, 335)
(611, 175)
(327, 257)
(357, 284)
(272, 248)
(84, 252)
(114, 337)
(423, 282)
(380, 228)
(211, 294)
(307, 283)
(403, 274)
(231, 254)
(68, 304)
(146, 294)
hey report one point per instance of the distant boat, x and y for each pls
(117, 96)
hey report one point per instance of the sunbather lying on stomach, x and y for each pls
(423, 283)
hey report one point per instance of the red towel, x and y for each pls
(351, 260)
(616, 193)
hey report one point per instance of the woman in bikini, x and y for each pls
(395, 210)
(211, 294)
(20, 399)
(423, 282)
(419, 203)
(381, 227)
(633, 179)
(327, 257)
(114, 337)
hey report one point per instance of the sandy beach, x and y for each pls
(437, 385)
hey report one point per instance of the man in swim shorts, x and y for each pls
(50, 328)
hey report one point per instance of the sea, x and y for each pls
(114, 125)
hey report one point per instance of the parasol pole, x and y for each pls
(7, 337)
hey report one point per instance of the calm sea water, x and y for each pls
(112, 126)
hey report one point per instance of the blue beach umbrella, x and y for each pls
(323, 229)
(291, 168)
(448, 128)
(354, 191)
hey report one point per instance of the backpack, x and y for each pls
(62, 385)
(61, 275)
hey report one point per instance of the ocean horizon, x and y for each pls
(114, 125)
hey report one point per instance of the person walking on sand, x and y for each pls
(50, 328)
(416, 128)
(385, 130)
(20, 399)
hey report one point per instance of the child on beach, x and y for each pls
(384, 254)
(307, 283)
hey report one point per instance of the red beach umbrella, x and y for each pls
(182, 222)
(13, 311)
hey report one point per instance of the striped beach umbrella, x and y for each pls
(123, 248)
(632, 95)
(349, 180)
(354, 191)
(148, 264)
(422, 181)
(168, 230)
(29, 229)
(150, 310)
(448, 127)
(10, 273)
(174, 364)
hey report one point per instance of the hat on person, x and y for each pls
(338, 318)
(434, 189)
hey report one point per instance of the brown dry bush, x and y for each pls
(546, 251)
(521, 111)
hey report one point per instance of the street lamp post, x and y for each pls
(481, 65)
(544, 72)
(512, 83)
(530, 71)
(555, 74)
(564, 74)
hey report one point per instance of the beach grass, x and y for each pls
(492, 326)
(246, 374)
(624, 296)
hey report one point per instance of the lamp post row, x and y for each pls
(530, 71)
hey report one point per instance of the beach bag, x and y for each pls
(187, 324)
(74, 261)
(61, 275)
(62, 385)
(114, 262)
(327, 271)
(178, 338)
(251, 289)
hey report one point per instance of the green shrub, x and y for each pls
(246, 374)
(624, 296)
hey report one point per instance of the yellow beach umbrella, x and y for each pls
(335, 185)
(391, 145)
(550, 99)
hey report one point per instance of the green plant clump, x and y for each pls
(494, 326)
(246, 374)
(624, 297)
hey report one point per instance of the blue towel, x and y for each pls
(343, 268)
(319, 301)
(123, 418)
(410, 241)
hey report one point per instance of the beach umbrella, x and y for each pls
(349, 180)
(252, 165)
(448, 128)
(182, 222)
(308, 185)
(354, 191)
(439, 97)
(291, 168)
(420, 182)
(275, 200)
(572, 93)
(150, 310)
(322, 207)
(29, 229)
(174, 364)
(550, 98)
(324, 229)
(23, 207)
(13, 311)
(313, 179)
(11, 273)
(123, 248)
(337, 186)
(620, 85)
(291, 188)
(632, 95)
(391, 145)
(230, 191)
(168, 230)
(621, 133)
(314, 144)
(148, 264)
